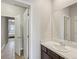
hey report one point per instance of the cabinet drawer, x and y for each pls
(52, 54)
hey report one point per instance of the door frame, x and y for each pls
(66, 18)
(29, 32)
(28, 28)
(25, 5)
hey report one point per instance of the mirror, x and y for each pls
(64, 24)
(70, 24)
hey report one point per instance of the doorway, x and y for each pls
(17, 31)
(11, 27)
(7, 43)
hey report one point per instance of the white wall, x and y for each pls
(44, 13)
(4, 31)
(11, 10)
(40, 26)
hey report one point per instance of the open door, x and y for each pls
(18, 35)
(26, 33)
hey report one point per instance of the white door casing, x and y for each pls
(26, 33)
(67, 28)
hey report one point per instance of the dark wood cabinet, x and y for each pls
(48, 54)
(45, 56)
(61, 57)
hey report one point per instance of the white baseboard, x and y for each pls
(2, 47)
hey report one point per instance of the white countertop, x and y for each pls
(70, 53)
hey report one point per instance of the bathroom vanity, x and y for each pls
(48, 54)
(63, 36)
(54, 50)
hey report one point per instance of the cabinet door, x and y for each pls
(61, 57)
(44, 55)
(52, 54)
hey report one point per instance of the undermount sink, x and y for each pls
(59, 47)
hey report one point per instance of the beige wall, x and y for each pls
(4, 31)
(45, 11)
